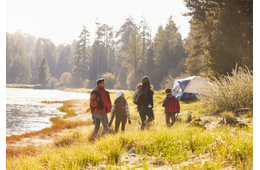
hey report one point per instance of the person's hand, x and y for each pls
(129, 122)
(93, 119)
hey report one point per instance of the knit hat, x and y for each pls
(168, 91)
(145, 79)
(118, 94)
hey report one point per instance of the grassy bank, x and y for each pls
(181, 147)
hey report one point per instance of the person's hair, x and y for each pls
(144, 85)
(100, 80)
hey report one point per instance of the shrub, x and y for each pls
(65, 78)
(86, 83)
(53, 82)
(189, 118)
(229, 92)
(195, 123)
(109, 80)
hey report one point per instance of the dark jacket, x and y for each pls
(106, 101)
(147, 97)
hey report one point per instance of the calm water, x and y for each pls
(25, 112)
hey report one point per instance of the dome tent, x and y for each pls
(189, 87)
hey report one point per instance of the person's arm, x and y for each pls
(163, 105)
(127, 110)
(178, 106)
(113, 107)
(106, 100)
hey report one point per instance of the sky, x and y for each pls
(62, 21)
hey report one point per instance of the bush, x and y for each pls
(53, 82)
(65, 78)
(86, 83)
(109, 80)
(229, 92)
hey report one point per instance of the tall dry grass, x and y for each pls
(229, 92)
(223, 148)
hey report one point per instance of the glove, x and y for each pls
(93, 119)
(129, 122)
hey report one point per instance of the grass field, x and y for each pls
(180, 147)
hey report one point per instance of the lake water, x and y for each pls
(26, 113)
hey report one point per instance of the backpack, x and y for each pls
(95, 100)
(137, 97)
(172, 105)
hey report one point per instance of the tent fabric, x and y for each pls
(189, 87)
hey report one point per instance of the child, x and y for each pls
(121, 110)
(172, 106)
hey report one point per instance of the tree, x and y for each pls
(43, 74)
(222, 35)
(50, 53)
(80, 67)
(19, 70)
(203, 22)
(233, 43)
(9, 59)
(144, 35)
(36, 59)
(134, 58)
(63, 62)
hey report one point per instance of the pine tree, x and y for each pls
(9, 59)
(43, 74)
(80, 67)
(50, 53)
(36, 59)
(134, 58)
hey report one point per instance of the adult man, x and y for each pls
(100, 114)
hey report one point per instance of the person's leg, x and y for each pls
(124, 119)
(150, 115)
(143, 117)
(167, 117)
(97, 124)
(117, 122)
(104, 121)
(173, 118)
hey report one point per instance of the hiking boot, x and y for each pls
(146, 124)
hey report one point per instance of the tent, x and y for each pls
(189, 87)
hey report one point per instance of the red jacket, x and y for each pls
(106, 101)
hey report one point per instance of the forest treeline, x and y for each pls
(221, 36)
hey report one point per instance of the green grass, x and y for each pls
(183, 145)
(224, 147)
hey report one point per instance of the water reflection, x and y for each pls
(25, 112)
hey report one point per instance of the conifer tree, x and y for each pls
(43, 74)
(80, 67)
(36, 59)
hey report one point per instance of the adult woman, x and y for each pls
(146, 108)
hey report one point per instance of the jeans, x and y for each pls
(145, 112)
(100, 117)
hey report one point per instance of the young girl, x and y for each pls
(121, 110)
